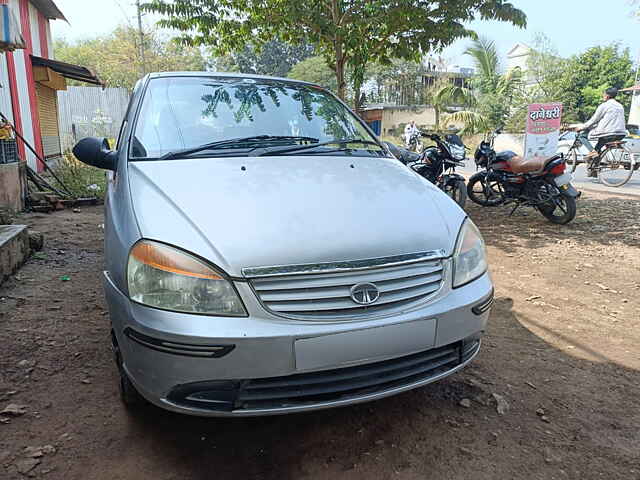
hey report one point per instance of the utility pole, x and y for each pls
(143, 63)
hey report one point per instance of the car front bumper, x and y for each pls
(266, 365)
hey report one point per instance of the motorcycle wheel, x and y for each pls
(562, 212)
(457, 190)
(482, 192)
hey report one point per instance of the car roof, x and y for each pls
(228, 75)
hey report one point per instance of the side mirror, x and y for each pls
(96, 152)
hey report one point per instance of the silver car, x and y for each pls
(265, 253)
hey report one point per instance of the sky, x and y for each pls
(572, 25)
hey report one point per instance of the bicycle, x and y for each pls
(614, 166)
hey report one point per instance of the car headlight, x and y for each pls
(164, 277)
(469, 258)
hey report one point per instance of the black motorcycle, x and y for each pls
(507, 178)
(415, 143)
(438, 164)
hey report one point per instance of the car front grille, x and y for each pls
(317, 388)
(322, 296)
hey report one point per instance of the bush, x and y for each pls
(81, 179)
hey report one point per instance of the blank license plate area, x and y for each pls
(360, 346)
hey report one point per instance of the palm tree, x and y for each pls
(490, 87)
(450, 95)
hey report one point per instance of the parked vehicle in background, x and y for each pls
(266, 254)
(414, 143)
(617, 161)
(438, 164)
(506, 178)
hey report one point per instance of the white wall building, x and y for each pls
(30, 78)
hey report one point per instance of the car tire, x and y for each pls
(128, 393)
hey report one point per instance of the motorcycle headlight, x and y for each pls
(457, 152)
(469, 258)
(164, 277)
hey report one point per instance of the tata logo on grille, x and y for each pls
(365, 293)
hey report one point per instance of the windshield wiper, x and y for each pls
(233, 142)
(341, 142)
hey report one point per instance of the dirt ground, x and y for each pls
(562, 349)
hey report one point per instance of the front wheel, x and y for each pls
(559, 210)
(128, 393)
(457, 190)
(572, 160)
(484, 192)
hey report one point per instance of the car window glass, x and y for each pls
(185, 112)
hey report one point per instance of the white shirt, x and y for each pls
(609, 120)
(410, 129)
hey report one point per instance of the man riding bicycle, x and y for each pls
(609, 123)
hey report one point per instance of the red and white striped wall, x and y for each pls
(18, 101)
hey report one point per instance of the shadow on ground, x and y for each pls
(599, 221)
(426, 432)
(572, 412)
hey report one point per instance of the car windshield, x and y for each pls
(181, 113)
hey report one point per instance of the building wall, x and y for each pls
(5, 93)
(425, 118)
(11, 187)
(90, 112)
(18, 99)
(394, 118)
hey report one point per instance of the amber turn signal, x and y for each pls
(170, 260)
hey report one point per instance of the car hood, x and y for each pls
(268, 211)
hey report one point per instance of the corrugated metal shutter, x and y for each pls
(48, 113)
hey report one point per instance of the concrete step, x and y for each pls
(14, 249)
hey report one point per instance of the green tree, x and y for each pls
(399, 82)
(314, 70)
(593, 71)
(116, 57)
(274, 58)
(493, 93)
(547, 71)
(348, 34)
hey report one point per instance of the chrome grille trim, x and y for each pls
(327, 296)
(347, 266)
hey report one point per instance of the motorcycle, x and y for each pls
(542, 183)
(438, 164)
(414, 142)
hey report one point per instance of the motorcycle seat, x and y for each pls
(402, 154)
(519, 164)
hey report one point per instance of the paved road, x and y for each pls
(582, 182)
